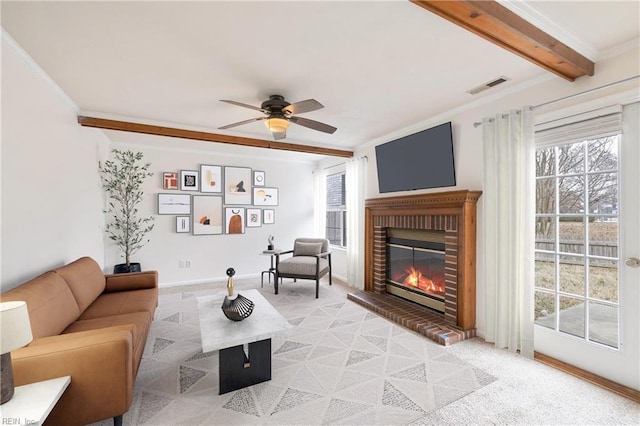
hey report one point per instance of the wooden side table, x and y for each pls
(32, 403)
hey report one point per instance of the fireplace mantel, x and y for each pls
(454, 211)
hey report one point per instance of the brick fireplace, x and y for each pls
(450, 213)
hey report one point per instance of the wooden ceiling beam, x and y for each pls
(125, 126)
(497, 24)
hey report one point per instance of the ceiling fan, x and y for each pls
(279, 113)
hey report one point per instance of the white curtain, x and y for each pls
(509, 214)
(320, 202)
(355, 222)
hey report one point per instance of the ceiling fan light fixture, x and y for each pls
(276, 124)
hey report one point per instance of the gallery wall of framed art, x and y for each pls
(216, 199)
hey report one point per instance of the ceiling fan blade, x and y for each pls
(244, 105)
(240, 123)
(302, 106)
(279, 135)
(312, 124)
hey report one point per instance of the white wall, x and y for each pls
(468, 139)
(211, 255)
(51, 198)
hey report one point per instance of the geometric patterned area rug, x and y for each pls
(340, 364)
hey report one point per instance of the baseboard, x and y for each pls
(338, 278)
(205, 280)
(607, 384)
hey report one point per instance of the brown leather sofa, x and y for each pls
(92, 327)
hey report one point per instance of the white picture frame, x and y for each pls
(263, 196)
(268, 216)
(210, 178)
(234, 220)
(258, 178)
(237, 186)
(207, 215)
(183, 224)
(172, 203)
(254, 218)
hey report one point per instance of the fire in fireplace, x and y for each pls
(415, 266)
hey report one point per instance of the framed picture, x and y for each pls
(174, 203)
(189, 180)
(265, 196)
(235, 220)
(237, 187)
(269, 216)
(210, 178)
(258, 178)
(183, 224)
(169, 180)
(254, 218)
(207, 215)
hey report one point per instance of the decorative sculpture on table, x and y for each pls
(270, 240)
(237, 307)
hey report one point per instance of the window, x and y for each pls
(336, 225)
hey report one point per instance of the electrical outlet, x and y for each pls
(187, 264)
(181, 263)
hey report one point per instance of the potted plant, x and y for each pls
(122, 180)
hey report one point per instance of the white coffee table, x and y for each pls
(245, 346)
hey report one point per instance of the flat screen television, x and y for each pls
(418, 161)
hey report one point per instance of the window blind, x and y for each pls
(601, 123)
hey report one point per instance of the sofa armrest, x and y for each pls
(100, 365)
(131, 281)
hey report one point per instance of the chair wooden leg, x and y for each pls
(275, 284)
(317, 287)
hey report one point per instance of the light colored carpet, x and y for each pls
(342, 364)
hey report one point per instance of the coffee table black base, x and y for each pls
(238, 370)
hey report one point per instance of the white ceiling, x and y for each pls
(378, 67)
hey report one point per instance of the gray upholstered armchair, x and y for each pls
(310, 260)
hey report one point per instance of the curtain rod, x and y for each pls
(575, 95)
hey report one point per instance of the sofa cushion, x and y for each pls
(141, 321)
(124, 302)
(307, 249)
(131, 281)
(301, 265)
(85, 279)
(50, 303)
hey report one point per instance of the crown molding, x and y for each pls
(9, 42)
(619, 49)
(533, 16)
(499, 25)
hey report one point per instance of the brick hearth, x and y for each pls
(452, 212)
(418, 318)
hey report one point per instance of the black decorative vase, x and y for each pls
(122, 268)
(237, 309)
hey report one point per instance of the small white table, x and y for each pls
(32, 403)
(245, 346)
